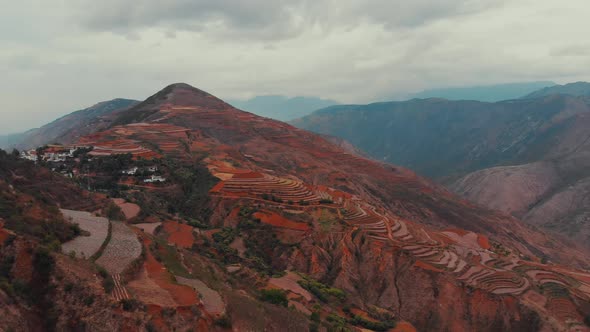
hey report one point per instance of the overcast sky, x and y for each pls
(62, 55)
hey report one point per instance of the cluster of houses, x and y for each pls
(52, 153)
(150, 169)
(61, 153)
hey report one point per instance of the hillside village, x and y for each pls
(74, 161)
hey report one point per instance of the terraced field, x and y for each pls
(149, 228)
(277, 220)
(147, 291)
(467, 256)
(122, 249)
(169, 140)
(179, 234)
(119, 291)
(86, 246)
(130, 210)
(257, 184)
(289, 282)
(464, 254)
(211, 299)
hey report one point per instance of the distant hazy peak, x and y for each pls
(572, 89)
(489, 93)
(282, 107)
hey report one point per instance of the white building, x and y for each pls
(130, 171)
(154, 178)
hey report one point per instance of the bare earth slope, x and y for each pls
(384, 235)
(551, 193)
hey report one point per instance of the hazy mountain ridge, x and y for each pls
(68, 127)
(440, 138)
(571, 89)
(281, 107)
(518, 156)
(487, 93)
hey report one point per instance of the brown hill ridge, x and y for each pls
(384, 235)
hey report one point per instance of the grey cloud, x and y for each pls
(64, 55)
(259, 18)
(572, 50)
(267, 19)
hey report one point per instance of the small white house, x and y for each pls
(154, 178)
(152, 168)
(130, 171)
(29, 155)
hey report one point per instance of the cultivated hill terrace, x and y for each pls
(365, 237)
(385, 236)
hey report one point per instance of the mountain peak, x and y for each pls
(572, 89)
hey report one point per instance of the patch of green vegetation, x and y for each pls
(197, 224)
(169, 256)
(273, 198)
(223, 322)
(327, 221)
(371, 325)
(226, 236)
(315, 320)
(337, 324)
(274, 296)
(554, 290)
(321, 291)
(130, 304)
(114, 212)
(195, 181)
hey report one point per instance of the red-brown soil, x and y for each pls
(23, 264)
(130, 210)
(179, 234)
(483, 241)
(403, 327)
(277, 220)
(182, 295)
(4, 235)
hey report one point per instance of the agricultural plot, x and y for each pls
(147, 291)
(277, 220)
(86, 246)
(258, 184)
(289, 282)
(119, 291)
(123, 249)
(167, 138)
(179, 234)
(468, 256)
(211, 299)
(130, 210)
(149, 227)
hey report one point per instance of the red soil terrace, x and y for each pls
(179, 234)
(182, 295)
(277, 220)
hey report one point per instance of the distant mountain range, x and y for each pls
(529, 157)
(488, 93)
(571, 89)
(67, 128)
(280, 107)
